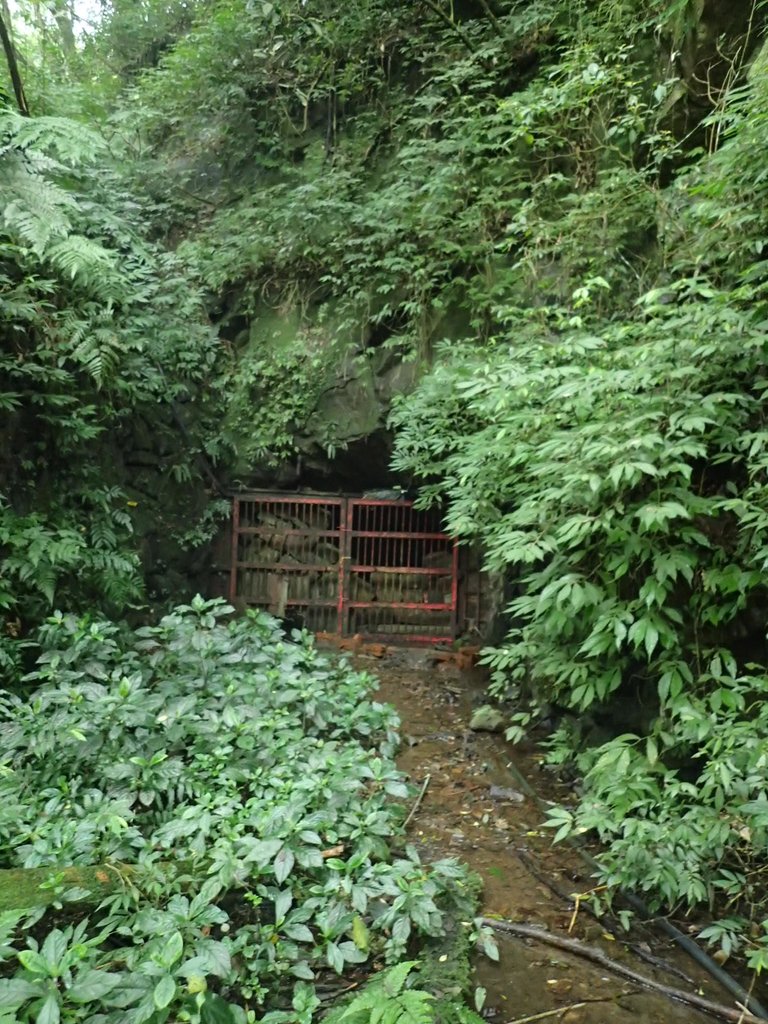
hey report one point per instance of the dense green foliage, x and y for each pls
(556, 210)
(387, 1000)
(100, 331)
(249, 780)
(607, 445)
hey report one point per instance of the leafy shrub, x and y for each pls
(611, 462)
(100, 336)
(240, 787)
(394, 997)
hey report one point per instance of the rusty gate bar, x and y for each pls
(345, 575)
(235, 539)
(404, 573)
(286, 556)
(369, 566)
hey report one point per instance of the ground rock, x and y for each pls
(487, 719)
(509, 795)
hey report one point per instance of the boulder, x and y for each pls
(487, 719)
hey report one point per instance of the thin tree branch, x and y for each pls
(597, 956)
(437, 9)
(558, 1011)
(13, 68)
(492, 18)
(416, 806)
(654, 961)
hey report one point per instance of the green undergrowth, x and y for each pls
(83, 386)
(607, 447)
(431, 990)
(238, 796)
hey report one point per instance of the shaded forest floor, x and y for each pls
(500, 838)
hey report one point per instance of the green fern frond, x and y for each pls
(464, 1015)
(384, 1000)
(37, 211)
(103, 535)
(410, 1007)
(70, 141)
(395, 978)
(72, 327)
(41, 214)
(98, 354)
(78, 256)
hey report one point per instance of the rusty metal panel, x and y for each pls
(404, 573)
(286, 554)
(349, 566)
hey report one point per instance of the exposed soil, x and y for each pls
(502, 840)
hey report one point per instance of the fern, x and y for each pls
(464, 1015)
(36, 210)
(82, 294)
(70, 141)
(45, 557)
(77, 256)
(40, 211)
(99, 354)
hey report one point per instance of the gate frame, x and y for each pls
(347, 505)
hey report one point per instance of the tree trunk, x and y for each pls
(13, 67)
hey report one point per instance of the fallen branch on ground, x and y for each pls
(548, 1013)
(557, 1010)
(416, 806)
(655, 961)
(527, 931)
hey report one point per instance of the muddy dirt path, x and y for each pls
(499, 836)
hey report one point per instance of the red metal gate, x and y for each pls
(367, 566)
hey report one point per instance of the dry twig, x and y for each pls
(419, 798)
(527, 931)
(547, 1013)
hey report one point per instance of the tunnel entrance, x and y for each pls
(369, 566)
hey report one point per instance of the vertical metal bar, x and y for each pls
(235, 545)
(461, 603)
(455, 592)
(345, 535)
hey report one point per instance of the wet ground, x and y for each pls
(525, 878)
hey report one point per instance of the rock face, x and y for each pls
(344, 391)
(354, 411)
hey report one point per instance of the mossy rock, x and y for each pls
(487, 719)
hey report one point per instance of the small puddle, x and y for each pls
(499, 837)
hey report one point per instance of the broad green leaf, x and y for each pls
(34, 962)
(50, 1011)
(172, 950)
(216, 1010)
(164, 991)
(283, 864)
(92, 985)
(15, 991)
